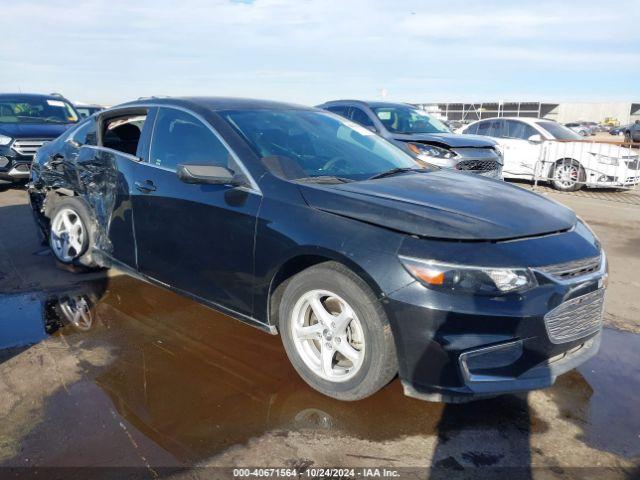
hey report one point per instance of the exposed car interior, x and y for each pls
(123, 133)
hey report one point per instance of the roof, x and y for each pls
(33, 95)
(217, 103)
(521, 119)
(370, 103)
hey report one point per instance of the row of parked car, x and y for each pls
(519, 148)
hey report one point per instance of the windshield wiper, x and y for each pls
(395, 171)
(323, 179)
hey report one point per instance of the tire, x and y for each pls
(364, 334)
(576, 175)
(78, 213)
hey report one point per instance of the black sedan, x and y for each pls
(296, 221)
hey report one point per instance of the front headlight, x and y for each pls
(429, 152)
(605, 159)
(4, 140)
(463, 278)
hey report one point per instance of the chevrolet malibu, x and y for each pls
(299, 222)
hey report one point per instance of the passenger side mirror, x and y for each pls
(210, 174)
(537, 138)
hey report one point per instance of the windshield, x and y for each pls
(559, 132)
(25, 109)
(401, 119)
(297, 144)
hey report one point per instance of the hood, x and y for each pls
(444, 204)
(448, 139)
(34, 130)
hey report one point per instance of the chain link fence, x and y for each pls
(570, 166)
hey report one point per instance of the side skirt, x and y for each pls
(110, 261)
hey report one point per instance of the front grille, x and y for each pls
(575, 318)
(573, 269)
(28, 146)
(477, 166)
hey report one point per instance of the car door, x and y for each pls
(520, 154)
(197, 238)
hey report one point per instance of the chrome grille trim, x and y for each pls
(573, 269)
(28, 146)
(575, 318)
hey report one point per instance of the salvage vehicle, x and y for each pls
(546, 150)
(422, 135)
(300, 222)
(27, 121)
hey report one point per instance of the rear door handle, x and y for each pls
(145, 187)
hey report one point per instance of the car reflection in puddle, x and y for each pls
(195, 382)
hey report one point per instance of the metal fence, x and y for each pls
(574, 165)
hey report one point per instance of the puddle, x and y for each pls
(21, 320)
(186, 383)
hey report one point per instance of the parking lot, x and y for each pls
(153, 382)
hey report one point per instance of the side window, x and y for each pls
(359, 116)
(484, 128)
(86, 133)
(472, 129)
(519, 130)
(339, 110)
(123, 133)
(180, 138)
(495, 128)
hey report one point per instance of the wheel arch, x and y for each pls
(301, 261)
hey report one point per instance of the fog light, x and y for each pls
(485, 363)
(4, 161)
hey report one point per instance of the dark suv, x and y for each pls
(27, 121)
(423, 136)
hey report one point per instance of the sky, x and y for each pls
(308, 52)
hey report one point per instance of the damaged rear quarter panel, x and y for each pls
(98, 177)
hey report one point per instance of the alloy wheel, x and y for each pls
(67, 235)
(328, 335)
(566, 175)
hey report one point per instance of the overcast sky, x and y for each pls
(312, 51)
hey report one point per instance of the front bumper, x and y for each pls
(14, 167)
(456, 348)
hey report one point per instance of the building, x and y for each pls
(620, 112)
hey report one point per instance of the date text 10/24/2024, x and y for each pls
(315, 472)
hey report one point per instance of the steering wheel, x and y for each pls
(332, 162)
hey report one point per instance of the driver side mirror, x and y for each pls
(210, 175)
(537, 138)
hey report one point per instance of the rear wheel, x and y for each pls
(568, 175)
(336, 333)
(71, 235)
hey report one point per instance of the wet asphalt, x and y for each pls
(114, 374)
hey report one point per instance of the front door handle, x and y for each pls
(145, 187)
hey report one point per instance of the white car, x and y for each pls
(546, 150)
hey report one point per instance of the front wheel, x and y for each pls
(568, 175)
(336, 334)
